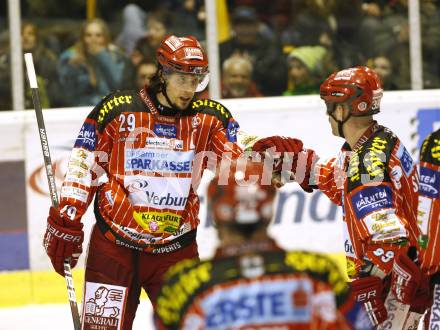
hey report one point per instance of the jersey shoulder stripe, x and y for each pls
(213, 108)
(115, 103)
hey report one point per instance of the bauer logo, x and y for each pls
(429, 182)
(104, 306)
(86, 138)
(165, 131)
(371, 199)
(434, 321)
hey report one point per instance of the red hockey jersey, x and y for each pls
(376, 184)
(142, 162)
(429, 202)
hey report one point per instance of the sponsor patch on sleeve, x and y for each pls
(405, 159)
(429, 182)
(231, 131)
(371, 199)
(87, 137)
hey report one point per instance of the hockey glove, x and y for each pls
(62, 240)
(406, 276)
(368, 291)
(301, 160)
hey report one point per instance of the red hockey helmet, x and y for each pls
(237, 194)
(359, 87)
(185, 55)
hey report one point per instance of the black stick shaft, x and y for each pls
(51, 181)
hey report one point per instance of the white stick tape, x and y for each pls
(30, 70)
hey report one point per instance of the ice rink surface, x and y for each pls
(57, 317)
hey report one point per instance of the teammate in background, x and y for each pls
(251, 282)
(375, 181)
(145, 143)
(429, 219)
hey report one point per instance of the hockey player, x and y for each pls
(374, 179)
(251, 283)
(145, 145)
(423, 287)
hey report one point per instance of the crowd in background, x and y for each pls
(286, 48)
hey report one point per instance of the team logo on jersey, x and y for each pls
(371, 199)
(165, 131)
(158, 222)
(87, 137)
(104, 306)
(429, 182)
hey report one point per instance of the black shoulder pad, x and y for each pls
(213, 108)
(370, 161)
(430, 151)
(321, 268)
(113, 104)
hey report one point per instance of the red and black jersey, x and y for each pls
(429, 202)
(376, 184)
(271, 289)
(142, 162)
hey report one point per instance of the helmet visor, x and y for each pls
(183, 80)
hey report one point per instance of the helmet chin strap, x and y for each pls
(164, 92)
(341, 124)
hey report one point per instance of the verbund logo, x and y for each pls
(158, 192)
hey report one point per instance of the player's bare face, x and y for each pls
(181, 88)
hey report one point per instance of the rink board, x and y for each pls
(302, 221)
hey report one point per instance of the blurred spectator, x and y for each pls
(264, 52)
(92, 67)
(188, 19)
(133, 27)
(45, 67)
(306, 68)
(312, 23)
(45, 62)
(236, 79)
(144, 72)
(384, 68)
(158, 26)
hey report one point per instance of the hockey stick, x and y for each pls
(50, 178)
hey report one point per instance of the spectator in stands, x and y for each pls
(264, 53)
(237, 78)
(312, 23)
(133, 27)
(45, 62)
(187, 19)
(92, 68)
(306, 67)
(144, 72)
(384, 68)
(158, 26)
